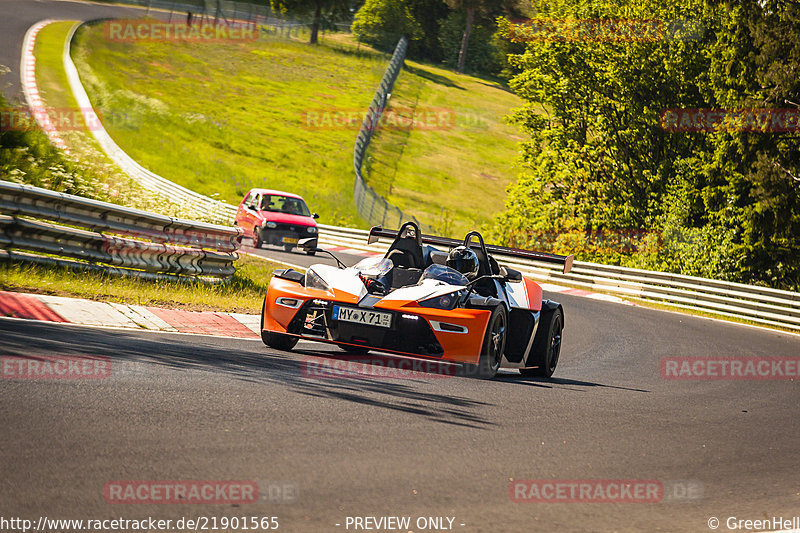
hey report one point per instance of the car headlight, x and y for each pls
(446, 301)
(312, 229)
(271, 225)
(315, 281)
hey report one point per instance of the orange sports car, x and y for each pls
(457, 306)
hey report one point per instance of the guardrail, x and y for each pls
(372, 206)
(761, 305)
(167, 246)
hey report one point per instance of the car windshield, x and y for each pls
(445, 274)
(284, 204)
(374, 266)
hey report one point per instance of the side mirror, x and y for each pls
(509, 274)
(308, 245)
(314, 216)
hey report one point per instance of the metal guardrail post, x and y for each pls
(163, 244)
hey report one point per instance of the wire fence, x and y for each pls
(372, 206)
(229, 12)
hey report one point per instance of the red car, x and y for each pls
(275, 217)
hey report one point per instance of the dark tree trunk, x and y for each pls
(462, 54)
(315, 22)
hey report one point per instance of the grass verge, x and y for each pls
(222, 118)
(101, 177)
(244, 293)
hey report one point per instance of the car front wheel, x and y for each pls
(494, 344)
(279, 341)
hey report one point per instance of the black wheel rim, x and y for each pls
(496, 341)
(555, 345)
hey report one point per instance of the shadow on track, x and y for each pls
(179, 352)
(562, 383)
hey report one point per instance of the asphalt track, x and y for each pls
(298, 258)
(16, 16)
(181, 407)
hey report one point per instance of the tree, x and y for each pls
(381, 23)
(487, 9)
(481, 54)
(720, 203)
(317, 10)
(754, 64)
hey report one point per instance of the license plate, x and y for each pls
(362, 316)
(289, 240)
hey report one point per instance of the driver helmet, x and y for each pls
(464, 260)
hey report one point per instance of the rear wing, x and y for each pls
(564, 260)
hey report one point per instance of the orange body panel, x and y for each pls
(458, 347)
(534, 291)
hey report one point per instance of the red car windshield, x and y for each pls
(284, 204)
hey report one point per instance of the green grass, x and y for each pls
(89, 171)
(244, 293)
(452, 176)
(222, 118)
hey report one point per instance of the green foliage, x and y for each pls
(503, 49)
(381, 23)
(482, 56)
(319, 13)
(429, 14)
(27, 157)
(719, 204)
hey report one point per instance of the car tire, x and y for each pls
(494, 344)
(312, 252)
(279, 341)
(257, 239)
(288, 247)
(546, 345)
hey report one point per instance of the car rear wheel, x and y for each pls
(494, 343)
(546, 345)
(288, 247)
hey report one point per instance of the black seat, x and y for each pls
(406, 250)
